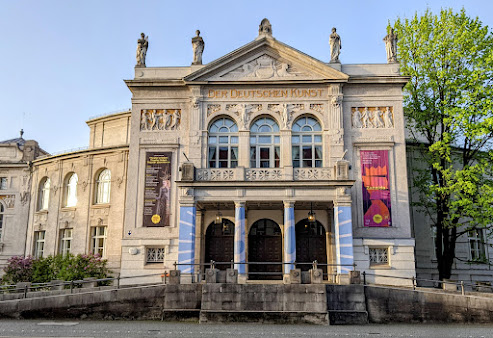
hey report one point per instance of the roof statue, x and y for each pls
(265, 28)
(335, 46)
(198, 48)
(142, 45)
(391, 46)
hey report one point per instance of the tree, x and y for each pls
(448, 107)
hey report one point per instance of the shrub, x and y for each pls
(64, 267)
(18, 269)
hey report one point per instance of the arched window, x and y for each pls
(70, 190)
(44, 194)
(223, 144)
(2, 209)
(264, 144)
(307, 143)
(103, 186)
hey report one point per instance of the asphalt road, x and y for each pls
(47, 328)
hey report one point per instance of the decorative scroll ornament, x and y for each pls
(372, 117)
(318, 107)
(263, 67)
(337, 101)
(160, 119)
(9, 200)
(213, 108)
(196, 103)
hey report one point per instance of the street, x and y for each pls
(69, 328)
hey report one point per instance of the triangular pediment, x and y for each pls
(265, 60)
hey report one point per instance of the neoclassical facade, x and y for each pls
(300, 160)
(265, 158)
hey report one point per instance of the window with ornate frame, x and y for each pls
(103, 187)
(98, 240)
(155, 255)
(65, 241)
(39, 244)
(265, 151)
(70, 190)
(44, 194)
(306, 143)
(223, 144)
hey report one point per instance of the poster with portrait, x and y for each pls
(376, 190)
(157, 189)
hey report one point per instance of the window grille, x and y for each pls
(379, 256)
(155, 255)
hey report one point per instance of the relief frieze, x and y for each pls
(372, 117)
(160, 119)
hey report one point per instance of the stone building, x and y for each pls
(77, 200)
(265, 155)
(298, 160)
(16, 156)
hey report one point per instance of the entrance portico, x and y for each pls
(265, 228)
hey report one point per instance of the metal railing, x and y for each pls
(200, 275)
(440, 284)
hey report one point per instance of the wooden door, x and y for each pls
(265, 245)
(219, 243)
(310, 244)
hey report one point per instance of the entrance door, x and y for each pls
(310, 244)
(219, 243)
(265, 245)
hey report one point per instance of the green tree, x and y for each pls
(448, 107)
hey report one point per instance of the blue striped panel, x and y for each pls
(186, 245)
(239, 246)
(289, 239)
(344, 238)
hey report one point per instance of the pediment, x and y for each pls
(266, 60)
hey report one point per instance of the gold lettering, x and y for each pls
(233, 93)
(211, 93)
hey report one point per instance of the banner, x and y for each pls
(376, 191)
(157, 189)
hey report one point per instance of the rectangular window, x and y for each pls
(379, 256)
(98, 241)
(3, 183)
(476, 245)
(155, 255)
(39, 244)
(1, 223)
(65, 241)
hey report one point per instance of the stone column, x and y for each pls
(289, 237)
(343, 236)
(186, 245)
(239, 246)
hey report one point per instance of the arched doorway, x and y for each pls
(265, 245)
(219, 243)
(310, 244)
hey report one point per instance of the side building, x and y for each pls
(77, 203)
(16, 157)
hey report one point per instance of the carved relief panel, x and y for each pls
(160, 119)
(372, 117)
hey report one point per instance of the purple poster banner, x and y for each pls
(376, 192)
(157, 189)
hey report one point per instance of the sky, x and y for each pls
(63, 62)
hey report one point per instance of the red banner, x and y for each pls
(376, 190)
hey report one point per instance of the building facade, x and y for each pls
(16, 156)
(77, 201)
(265, 157)
(261, 138)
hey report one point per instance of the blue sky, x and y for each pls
(63, 61)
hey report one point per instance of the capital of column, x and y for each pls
(187, 204)
(240, 204)
(343, 203)
(288, 204)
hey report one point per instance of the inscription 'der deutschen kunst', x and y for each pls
(288, 93)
